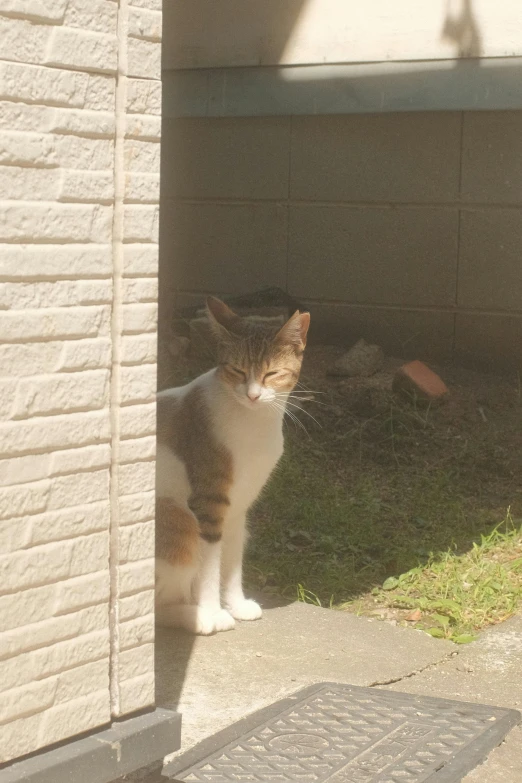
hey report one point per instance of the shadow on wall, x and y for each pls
(267, 24)
(173, 649)
(460, 27)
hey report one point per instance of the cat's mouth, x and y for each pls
(257, 404)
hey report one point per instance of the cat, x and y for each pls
(219, 439)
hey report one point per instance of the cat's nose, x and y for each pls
(254, 393)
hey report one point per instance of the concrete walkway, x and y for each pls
(215, 681)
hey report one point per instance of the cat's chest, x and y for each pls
(255, 452)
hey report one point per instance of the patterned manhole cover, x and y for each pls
(347, 734)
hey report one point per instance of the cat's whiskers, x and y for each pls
(288, 397)
(304, 411)
(284, 410)
(307, 399)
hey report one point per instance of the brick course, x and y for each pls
(79, 179)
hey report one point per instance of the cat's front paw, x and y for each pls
(245, 609)
(208, 621)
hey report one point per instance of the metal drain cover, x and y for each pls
(348, 734)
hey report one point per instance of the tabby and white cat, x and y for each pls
(219, 439)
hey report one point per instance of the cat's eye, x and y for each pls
(270, 374)
(237, 371)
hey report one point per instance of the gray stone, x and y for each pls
(363, 359)
(104, 756)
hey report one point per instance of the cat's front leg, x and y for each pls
(208, 617)
(240, 608)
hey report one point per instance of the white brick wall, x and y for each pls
(79, 183)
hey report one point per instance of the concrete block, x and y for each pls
(92, 123)
(85, 354)
(137, 541)
(139, 318)
(77, 152)
(137, 693)
(37, 10)
(97, 16)
(376, 157)
(136, 633)
(100, 92)
(95, 186)
(28, 149)
(24, 40)
(144, 289)
(79, 489)
(484, 340)
(63, 524)
(145, 23)
(142, 188)
(104, 756)
(68, 430)
(143, 126)
(34, 605)
(137, 507)
(138, 420)
(373, 256)
(46, 661)
(82, 49)
(138, 384)
(137, 477)
(136, 606)
(60, 293)
(56, 261)
(137, 661)
(136, 577)
(54, 87)
(490, 269)
(138, 349)
(141, 223)
(216, 247)
(140, 259)
(142, 156)
(144, 58)
(55, 323)
(143, 96)
(401, 332)
(48, 632)
(491, 157)
(243, 158)
(48, 222)
(61, 392)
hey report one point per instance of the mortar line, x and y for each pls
(116, 330)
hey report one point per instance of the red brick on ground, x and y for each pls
(417, 378)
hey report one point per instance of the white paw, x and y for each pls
(208, 621)
(245, 609)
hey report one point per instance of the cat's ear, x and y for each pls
(221, 316)
(295, 330)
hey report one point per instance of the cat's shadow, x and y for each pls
(173, 652)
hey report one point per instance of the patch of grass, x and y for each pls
(392, 508)
(453, 595)
(398, 496)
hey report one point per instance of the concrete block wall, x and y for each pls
(403, 228)
(79, 176)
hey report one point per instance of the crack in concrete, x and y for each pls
(452, 654)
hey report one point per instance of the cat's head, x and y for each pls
(259, 363)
